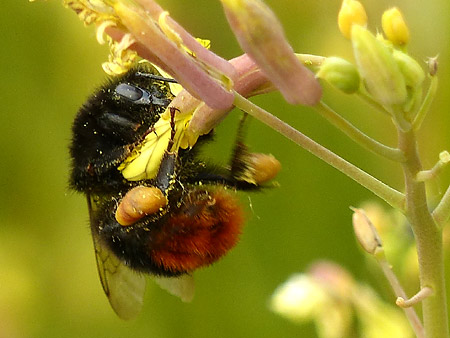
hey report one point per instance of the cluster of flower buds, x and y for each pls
(387, 73)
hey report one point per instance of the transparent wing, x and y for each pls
(124, 287)
(182, 287)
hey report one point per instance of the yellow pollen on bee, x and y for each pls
(138, 203)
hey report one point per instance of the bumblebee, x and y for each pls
(163, 220)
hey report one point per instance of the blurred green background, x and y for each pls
(49, 286)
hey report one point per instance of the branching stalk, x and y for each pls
(387, 193)
(357, 135)
(425, 107)
(426, 175)
(417, 298)
(429, 241)
(441, 213)
(400, 293)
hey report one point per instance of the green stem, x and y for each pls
(357, 135)
(390, 195)
(362, 94)
(429, 241)
(426, 175)
(429, 97)
(399, 292)
(441, 213)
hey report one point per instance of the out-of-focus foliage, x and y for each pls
(48, 280)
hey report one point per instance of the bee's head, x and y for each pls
(128, 105)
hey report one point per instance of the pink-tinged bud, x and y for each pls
(261, 35)
(250, 81)
(198, 51)
(174, 58)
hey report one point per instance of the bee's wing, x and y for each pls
(124, 287)
(182, 286)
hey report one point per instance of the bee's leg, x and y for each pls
(250, 170)
(246, 171)
(165, 177)
(166, 172)
(238, 164)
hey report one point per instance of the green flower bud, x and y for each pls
(413, 74)
(340, 74)
(378, 68)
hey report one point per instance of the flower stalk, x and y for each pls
(370, 241)
(417, 298)
(428, 238)
(414, 320)
(393, 197)
(426, 175)
(441, 213)
(357, 135)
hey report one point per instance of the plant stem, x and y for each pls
(399, 292)
(357, 135)
(363, 95)
(441, 213)
(390, 195)
(429, 241)
(429, 97)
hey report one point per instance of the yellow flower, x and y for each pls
(145, 160)
(394, 26)
(351, 13)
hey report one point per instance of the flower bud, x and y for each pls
(299, 298)
(378, 68)
(413, 74)
(139, 202)
(351, 12)
(340, 74)
(365, 232)
(394, 27)
(444, 157)
(432, 65)
(262, 37)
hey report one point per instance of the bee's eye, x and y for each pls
(138, 95)
(129, 92)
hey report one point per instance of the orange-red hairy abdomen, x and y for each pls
(204, 228)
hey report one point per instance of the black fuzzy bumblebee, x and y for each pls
(166, 221)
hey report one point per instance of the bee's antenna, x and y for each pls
(156, 77)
